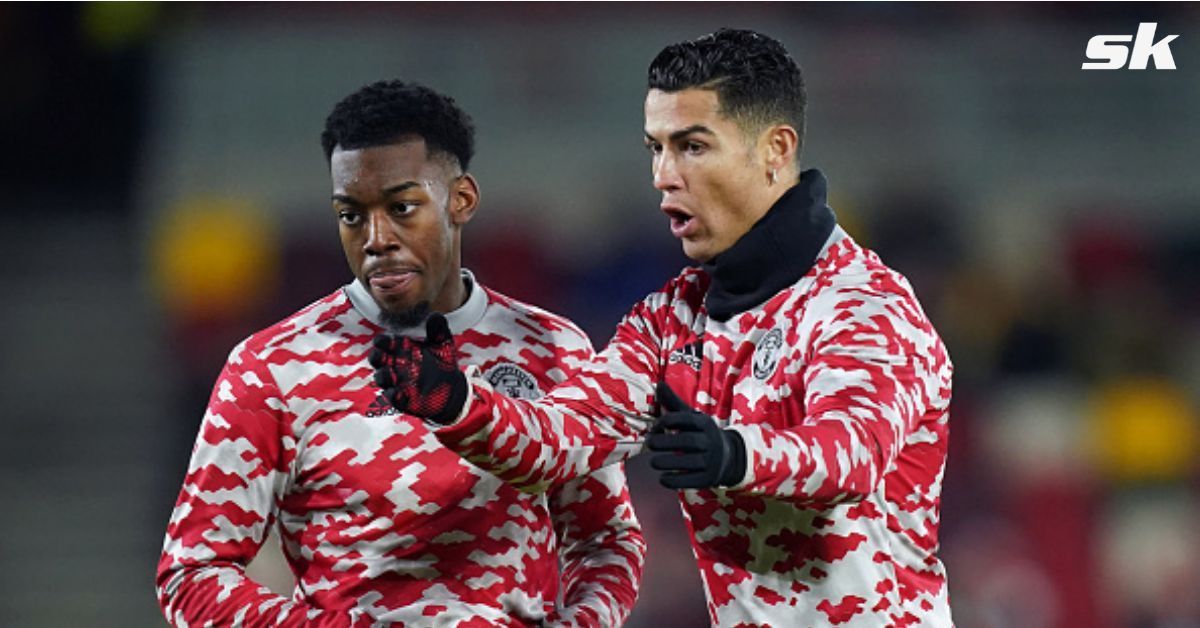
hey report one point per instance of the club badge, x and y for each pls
(513, 381)
(766, 354)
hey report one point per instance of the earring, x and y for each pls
(771, 176)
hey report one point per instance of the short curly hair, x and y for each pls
(386, 111)
(756, 80)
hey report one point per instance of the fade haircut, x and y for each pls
(387, 111)
(757, 82)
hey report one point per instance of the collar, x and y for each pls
(775, 253)
(465, 317)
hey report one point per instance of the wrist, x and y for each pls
(475, 411)
(735, 471)
(456, 401)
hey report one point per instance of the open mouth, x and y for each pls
(680, 222)
(390, 281)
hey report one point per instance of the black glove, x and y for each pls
(694, 452)
(421, 377)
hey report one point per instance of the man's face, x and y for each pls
(712, 176)
(399, 216)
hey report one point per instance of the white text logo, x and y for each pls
(1144, 49)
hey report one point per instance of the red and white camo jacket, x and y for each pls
(839, 387)
(382, 525)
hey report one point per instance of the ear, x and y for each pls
(464, 199)
(778, 145)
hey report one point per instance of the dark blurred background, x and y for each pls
(168, 196)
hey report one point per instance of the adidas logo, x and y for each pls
(380, 407)
(690, 354)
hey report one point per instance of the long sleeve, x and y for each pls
(595, 418)
(238, 471)
(874, 370)
(602, 549)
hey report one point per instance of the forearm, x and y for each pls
(212, 593)
(594, 421)
(874, 371)
(601, 549)
(228, 502)
(829, 462)
(858, 412)
(602, 589)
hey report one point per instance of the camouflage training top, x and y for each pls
(380, 523)
(822, 359)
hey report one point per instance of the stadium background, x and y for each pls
(167, 195)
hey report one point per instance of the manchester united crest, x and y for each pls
(513, 381)
(766, 354)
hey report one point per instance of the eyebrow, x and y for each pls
(684, 132)
(349, 200)
(400, 188)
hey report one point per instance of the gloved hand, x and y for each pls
(693, 451)
(421, 377)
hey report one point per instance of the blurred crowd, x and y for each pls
(1071, 493)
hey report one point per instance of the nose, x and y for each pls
(381, 234)
(666, 174)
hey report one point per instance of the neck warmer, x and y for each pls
(775, 253)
